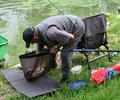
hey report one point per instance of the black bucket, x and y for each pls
(35, 65)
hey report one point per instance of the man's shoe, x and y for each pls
(64, 80)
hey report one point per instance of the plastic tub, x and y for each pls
(3, 46)
(77, 69)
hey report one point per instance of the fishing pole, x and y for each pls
(82, 50)
(56, 7)
(89, 50)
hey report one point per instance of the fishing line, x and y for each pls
(56, 7)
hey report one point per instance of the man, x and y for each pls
(57, 32)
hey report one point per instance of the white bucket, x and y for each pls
(77, 69)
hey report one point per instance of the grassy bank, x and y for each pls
(109, 91)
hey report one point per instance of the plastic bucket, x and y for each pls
(3, 46)
(77, 69)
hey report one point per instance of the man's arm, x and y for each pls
(40, 47)
(62, 37)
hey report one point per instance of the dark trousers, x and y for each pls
(53, 63)
(67, 57)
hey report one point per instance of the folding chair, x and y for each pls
(95, 36)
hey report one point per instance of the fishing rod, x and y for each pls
(81, 50)
(93, 50)
(56, 7)
(89, 50)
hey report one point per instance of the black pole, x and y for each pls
(89, 50)
(56, 7)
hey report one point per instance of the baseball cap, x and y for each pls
(28, 35)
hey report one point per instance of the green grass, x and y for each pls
(109, 91)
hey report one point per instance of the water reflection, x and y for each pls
(15, 17)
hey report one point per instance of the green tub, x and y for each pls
(3, 46)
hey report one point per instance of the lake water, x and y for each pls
(16, 15)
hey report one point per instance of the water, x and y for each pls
(16, 15)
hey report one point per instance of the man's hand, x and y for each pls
(71, 38)
(54, 50)
(30, 50)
